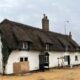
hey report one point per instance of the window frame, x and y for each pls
(65, 58)
(23, 59)
(66, 48)
(25, 45)
(76, 57)
(46, 58)
(26, 59)
(47, 46)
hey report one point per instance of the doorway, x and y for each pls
(68, 59)
(44, 61)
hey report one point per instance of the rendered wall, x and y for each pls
(33, 58)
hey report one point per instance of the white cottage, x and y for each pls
(25, 48)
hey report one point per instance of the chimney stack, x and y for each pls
(70, 35)
(45, 23)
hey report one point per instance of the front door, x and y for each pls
(68, 58)
(41, 62)
(44, 61)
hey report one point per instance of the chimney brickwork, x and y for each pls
(45, 23)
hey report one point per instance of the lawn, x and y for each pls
(52, 74)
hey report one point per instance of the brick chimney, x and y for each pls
(70, 35)
(45, 23)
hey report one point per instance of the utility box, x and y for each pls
(21, 67)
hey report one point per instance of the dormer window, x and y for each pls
(25, 45)
(76, 58)
(77, 49)
(67, 48)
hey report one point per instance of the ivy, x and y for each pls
(5, 53)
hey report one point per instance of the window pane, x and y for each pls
(21, 59)
(76, 58)
(26, 59)
(46, 59)
(25, 45)
(66, 48)
(47, 46)
(65, 58)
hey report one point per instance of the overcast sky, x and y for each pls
(30, 12)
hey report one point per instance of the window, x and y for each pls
(76, 58)
(25, 45)
(77, 49)
(47, 46)
(46, 59)
(66, 48)
(22, 59)
(26, 59)
(65, 58)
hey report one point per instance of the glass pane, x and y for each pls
(26, 59)
(21, 59)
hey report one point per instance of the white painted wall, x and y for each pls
(53, 58)
(54, 55)
(72, 56)
(33, 58)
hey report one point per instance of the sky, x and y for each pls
(62, 14)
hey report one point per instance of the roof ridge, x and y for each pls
(28, 33)
(32, 27)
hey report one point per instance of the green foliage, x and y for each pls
(5, 53)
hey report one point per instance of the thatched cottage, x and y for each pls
(24, 48)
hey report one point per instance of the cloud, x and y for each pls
(30, 12)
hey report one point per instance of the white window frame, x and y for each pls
(76, 57)
(25, 45)
(47, 46)
(46, 59)
(65, 58)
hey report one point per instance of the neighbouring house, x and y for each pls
(24, 48)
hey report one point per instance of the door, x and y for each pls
(41, 62)
(44, 61)
(68, 58)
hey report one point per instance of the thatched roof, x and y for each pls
(14, 32)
